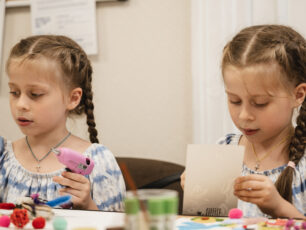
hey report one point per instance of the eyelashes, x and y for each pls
(14, 93)
(260, 105)
(30, 94)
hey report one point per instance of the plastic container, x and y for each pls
(157, 217)
(132, 211)
(161, 207)
(171, 210)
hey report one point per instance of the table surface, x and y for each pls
(99, 220)
(80, 219)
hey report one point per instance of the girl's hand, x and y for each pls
(183, 179)
(78, 186)
(259, 190)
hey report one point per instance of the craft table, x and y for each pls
(99, 220)
(80, 219)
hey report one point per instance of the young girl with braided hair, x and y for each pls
(50, 79)
(264, 73)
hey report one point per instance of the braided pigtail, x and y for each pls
(294, 66)
(296, 152)
(89, 106)
(84, 70)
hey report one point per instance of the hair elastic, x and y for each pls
(291, 164)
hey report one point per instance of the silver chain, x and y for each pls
(47, 154)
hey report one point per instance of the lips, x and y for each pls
(250, 132)
(22, 121)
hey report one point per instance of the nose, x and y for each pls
(22, 102)
(246, 113)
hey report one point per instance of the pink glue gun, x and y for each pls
(75, 161)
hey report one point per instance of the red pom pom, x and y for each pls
(235, 213)
(19, 217)
(39, 222)
(7, 206)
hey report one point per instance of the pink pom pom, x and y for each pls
(5, 221)
(290, 223)
(235, 213)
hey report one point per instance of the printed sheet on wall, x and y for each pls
(73, 18)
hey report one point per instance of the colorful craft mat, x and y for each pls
(216, 223)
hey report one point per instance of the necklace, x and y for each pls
(258, 160)
(47, 154)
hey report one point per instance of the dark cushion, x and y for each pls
(148, 173)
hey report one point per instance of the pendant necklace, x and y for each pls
(258, 160)
(47, 154)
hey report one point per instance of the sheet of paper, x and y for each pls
(210, 174)
(73, 18)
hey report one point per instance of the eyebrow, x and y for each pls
(255, 95)
(30, 86)
(33, 86)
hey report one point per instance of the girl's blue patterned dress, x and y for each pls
(107, 184)
(298, 184)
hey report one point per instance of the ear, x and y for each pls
(300, 94)
(74, 98)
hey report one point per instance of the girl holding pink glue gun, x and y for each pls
(50, 79)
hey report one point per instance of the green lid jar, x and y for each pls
(156, 208)
(132, 210)
(171, 205)
(131, 205)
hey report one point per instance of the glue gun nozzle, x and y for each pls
(56, 151)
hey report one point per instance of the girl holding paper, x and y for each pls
(264, 72)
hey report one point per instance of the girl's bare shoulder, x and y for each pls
(78, 144)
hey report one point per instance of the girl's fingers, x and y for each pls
(249, 193)
(75, 177)
(68, 182)
(254, 200)
(77, 197)
(77, 186)
(63, 192)
(183, 180)
(251, 177)
(71, 191)
(248, 185)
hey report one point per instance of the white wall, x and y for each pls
(142, 79)
(213, 24)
